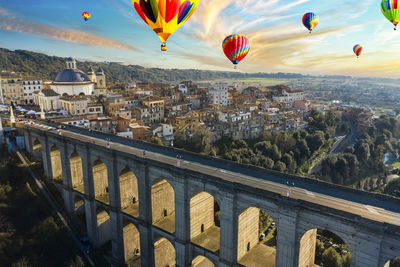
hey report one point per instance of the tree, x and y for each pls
(395, 262)
(347, 260)
(266, 162)
(319, 250)
(263, 147)
(156, 140)
(280, 166)
(274, 153)
(290, 163)
(393, 188)
(315, 141)
(363, 152)
(330, 258)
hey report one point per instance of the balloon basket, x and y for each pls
(164, 47)
(235, 67)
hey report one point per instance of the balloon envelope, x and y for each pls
(357, 50)
(236, 47)
(391, 10)
(310, 21)
(164, 17)
(86, 16)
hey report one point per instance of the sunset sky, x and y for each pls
(279, 42)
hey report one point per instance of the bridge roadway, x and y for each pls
(366, 205)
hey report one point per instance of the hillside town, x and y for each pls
(144, 111)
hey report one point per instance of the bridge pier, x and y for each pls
(228, 245)
(286, 238)
(368, 250)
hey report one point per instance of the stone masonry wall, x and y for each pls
(307, 249)
(248, 225)
(201, 213)
(162, 198)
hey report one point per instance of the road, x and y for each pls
(364, 205)
(350, 139)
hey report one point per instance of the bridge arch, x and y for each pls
(204, 221)
(75, 162)
(132, 249)
(318, 246)
(201, 261)
(79, 214)
(37, 149)
(256, 244)
(104, 232)
(56, 164)
(164, 253)
(163, 205)
(129, 195)
(100, 181)
(395, 262)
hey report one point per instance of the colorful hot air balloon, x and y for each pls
(86, 16)
(391, 10)
(357, 50)
(236, 47)
(165, 16)
(310, 21)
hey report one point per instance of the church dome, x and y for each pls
(72, 75)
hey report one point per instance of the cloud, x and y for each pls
(11, 23)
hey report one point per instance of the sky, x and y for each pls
(279, 42)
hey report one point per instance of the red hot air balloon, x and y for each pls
(236, 47)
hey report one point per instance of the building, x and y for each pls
(31, 85)
(141, 132)
(12, 90)
(163, 131)
(48, 99)
(99, 78)
(288, 95)
(72, 81)
(75, 105)
(183, 88)
(218, 95)
(151, 111)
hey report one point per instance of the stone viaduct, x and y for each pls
(150, 209)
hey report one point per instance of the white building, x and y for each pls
(164, 131)
(30, 86)
(289, 96)
(72, 81)
(183, 88)
(48, 99)
(218, 95)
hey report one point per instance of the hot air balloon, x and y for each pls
(236, 47)
(86, 16)
(357, 50)
(391, 10)
(310, 21)
(164, 17)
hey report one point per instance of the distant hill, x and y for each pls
(47, 67)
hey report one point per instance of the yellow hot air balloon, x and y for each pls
(165, 16)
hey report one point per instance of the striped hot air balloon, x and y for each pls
(164, 17)
(391, 10)
(86, 16)
(310, 21)
(357, 50)
(236, 47)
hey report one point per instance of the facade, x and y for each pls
(164, 131)
(219, 95)
(12, 90)
(48, 99)
(75, 105)
(288, 95)
(29, 87)
(72, 81)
